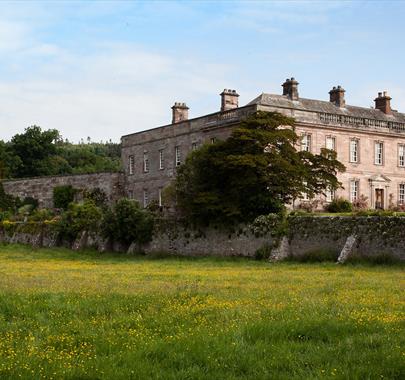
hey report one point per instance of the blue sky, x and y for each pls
(108, 68)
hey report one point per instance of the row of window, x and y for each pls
(146, 196)
(354, 193)
(330, 194)
(354, 149)
(177, 155)
(131, 161)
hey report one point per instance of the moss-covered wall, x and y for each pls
(375, 234)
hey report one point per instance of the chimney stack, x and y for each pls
(383, 103)
(229, 100)
(290, 88)
(179, 112)
(337, 96)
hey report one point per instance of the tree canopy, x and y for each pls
(37, 152)
(257, 170)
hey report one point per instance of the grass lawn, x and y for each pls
(65, 315)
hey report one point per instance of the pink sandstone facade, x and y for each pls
(370, 142)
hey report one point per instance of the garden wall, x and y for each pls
(375, 235)
(41, 188)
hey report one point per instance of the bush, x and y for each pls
(63, 196)
(98, 196)
(6, 200)
(5, 215)
(360, 203)
(339, 205)
(41, 215)
(310, 206)
(379, 259)
(264, 252)
(315, 256)
(80, 217)
(31, 202)
(126, 222)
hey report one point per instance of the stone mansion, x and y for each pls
(370, 142)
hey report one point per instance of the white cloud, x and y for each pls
(117, 90)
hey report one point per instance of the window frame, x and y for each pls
(333, 139)
(401, 186)
(160, 197)
(131, 164)
(401, 158)
(307, 147)
(355, 141)
(145, 198)
(355, 182)
(330, 195)
(378, 156)
(161, 159)
(145, 162)
(177, 155)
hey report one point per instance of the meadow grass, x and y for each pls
(67, 315)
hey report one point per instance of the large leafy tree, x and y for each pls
(9, 162)
(37, 152)
(255, 171)
(33, 147)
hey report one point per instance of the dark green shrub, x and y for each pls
(376, 213)
(383, 258)
(30, 201)
(79, 217)
(339, 205)
(7, 202)
(264, 252)
(5, 215)
(98, 196)
(315, 256)
(127, 222)
(41, 215)
(63, 196)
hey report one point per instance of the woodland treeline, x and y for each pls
(38, 152)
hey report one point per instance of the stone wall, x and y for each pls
(374, 236)
(41, 188)
(209, 242)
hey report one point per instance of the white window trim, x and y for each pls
(329, 195)
(401, 158)
(306, 142)
(145, 198)
(378, 156)
(160, 196)
(145, 162)
(177, 155)
(401, 201)
(161, 159)
(357, 151)
(131, 164)
(333, 139)
(356, 187)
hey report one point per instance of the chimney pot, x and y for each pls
(337, 96)
(229, 99)
(290, 88)
(383, 103)
(179, 112)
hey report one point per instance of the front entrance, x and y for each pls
(379, 199)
